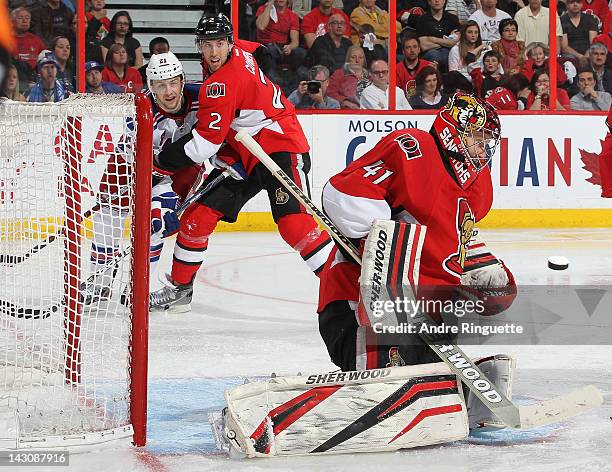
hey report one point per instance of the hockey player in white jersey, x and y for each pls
(175, 106)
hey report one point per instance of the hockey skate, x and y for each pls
(92, 293)
(171, 298)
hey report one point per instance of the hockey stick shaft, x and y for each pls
(477, 382)
(12, 260)
(296, 191)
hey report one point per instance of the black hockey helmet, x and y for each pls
(214, 27)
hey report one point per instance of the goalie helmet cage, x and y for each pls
(75, 191)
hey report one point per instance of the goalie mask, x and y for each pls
(468, 130)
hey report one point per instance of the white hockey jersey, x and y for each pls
(168, 127)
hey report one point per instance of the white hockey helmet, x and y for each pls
(163, 66)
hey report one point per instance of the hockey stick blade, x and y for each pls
(12, 260)
(27, 313)
(513, 416)
(560, 408)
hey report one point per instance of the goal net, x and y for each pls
(74, 219)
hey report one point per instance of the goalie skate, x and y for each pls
(171, 298)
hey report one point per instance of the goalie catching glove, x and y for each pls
(487, 278)
(164, 219)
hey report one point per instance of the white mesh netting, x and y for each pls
(66, 193)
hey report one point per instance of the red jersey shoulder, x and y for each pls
(240, 67)
(409, 144)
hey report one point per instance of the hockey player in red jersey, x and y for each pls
(174, 104)
(439, 179)
(237, 95)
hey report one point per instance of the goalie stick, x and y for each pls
(513, 416)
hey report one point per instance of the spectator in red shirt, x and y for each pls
(314, 23)
(117, 71)
(279, 29)
(27, 45)
(407, 70)
(540, 93)
(537, 54)
(599, 8)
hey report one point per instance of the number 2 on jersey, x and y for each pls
(375, 171)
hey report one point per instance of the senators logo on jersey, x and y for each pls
(409, 145)
(215, 90)
(465, 229)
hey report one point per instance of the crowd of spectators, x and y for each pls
(490, 47)
(330, 54)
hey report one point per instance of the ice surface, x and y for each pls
(254, 313)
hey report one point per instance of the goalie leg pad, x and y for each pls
(345, 412)
(389, 270)
(500, 370)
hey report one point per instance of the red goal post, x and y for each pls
(75, 192)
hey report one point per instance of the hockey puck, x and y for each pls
(558, 263)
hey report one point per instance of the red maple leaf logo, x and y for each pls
(591, 164)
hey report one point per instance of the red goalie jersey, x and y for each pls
(404, 177)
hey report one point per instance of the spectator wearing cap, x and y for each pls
(588, 98)
(47, 88)
(158, 45)
(121, 27)
(316, 22)
(511, 51)
(51, 19)
(579, 30)
(93, 80)
(27, 45)
(117, 71)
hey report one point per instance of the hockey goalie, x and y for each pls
(409, 206)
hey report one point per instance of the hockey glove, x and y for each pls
(164, 220)
(236, 170)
